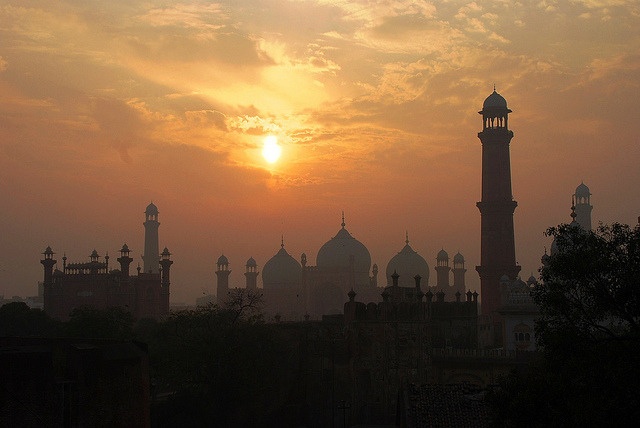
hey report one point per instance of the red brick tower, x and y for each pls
(498, 254)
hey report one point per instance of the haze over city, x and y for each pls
(105, 107)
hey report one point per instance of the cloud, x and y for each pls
(206, 118)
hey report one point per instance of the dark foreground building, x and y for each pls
(73, 383)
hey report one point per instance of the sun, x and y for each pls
(271, 150)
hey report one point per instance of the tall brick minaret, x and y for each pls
(498, 254)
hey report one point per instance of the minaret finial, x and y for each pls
(343, 224)
(573, 208)
(282, 241)
(406, 234)
(494, 87)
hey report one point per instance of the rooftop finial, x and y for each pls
(573, 208)
(406, 234)
(343, 224)
(494, 87)
(282, 241)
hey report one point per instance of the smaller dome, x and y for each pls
(442, 255)
(151, 209)
(48, 251)
(458, 258)
(582, 191)
(94, 253)
(124, 248)
(532, 280)
(251, 262)
(222, 260)
(505, 278)
(281, 271)
(495, 100)
(165, 252)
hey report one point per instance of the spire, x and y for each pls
(281, 241)
(343, 224)
(573, 209)
(494, 87)
(406, 234)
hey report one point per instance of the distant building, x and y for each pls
(519, 312)
(293, 289)
(94, 284)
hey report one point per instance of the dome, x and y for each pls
(251, 262)
(442, 255)
(337, 251)
(458, 258)
(222, 260)
(151, 209)
(94, 253)
(281, 271)
(408, 263)
(582, 191)
(124, 249)
(532, 280)
(495, 100)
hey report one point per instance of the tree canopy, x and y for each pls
(588, 334)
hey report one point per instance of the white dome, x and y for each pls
(281, 271)
(582, 191)
(337, 251)
(408, 263)
(442, 255)
(495, 100)
(222, 260)
(151, 209)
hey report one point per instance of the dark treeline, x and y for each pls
(212, 366)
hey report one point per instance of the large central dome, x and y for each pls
(337, 251)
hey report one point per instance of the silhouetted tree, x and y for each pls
(89, 322)
(18, 320)
(588, 333)
(223, 366)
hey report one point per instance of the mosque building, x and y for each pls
(94, 284)
(293, 288)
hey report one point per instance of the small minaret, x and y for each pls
(165, 262)
(48, 262)
(442, 269)
(458, 273)
(222, 273)
(374, 277)
(94, 257)
(583, 207)
(151, 255)
(251, 274)
(124, 261)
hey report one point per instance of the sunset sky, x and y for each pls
(107, 105)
